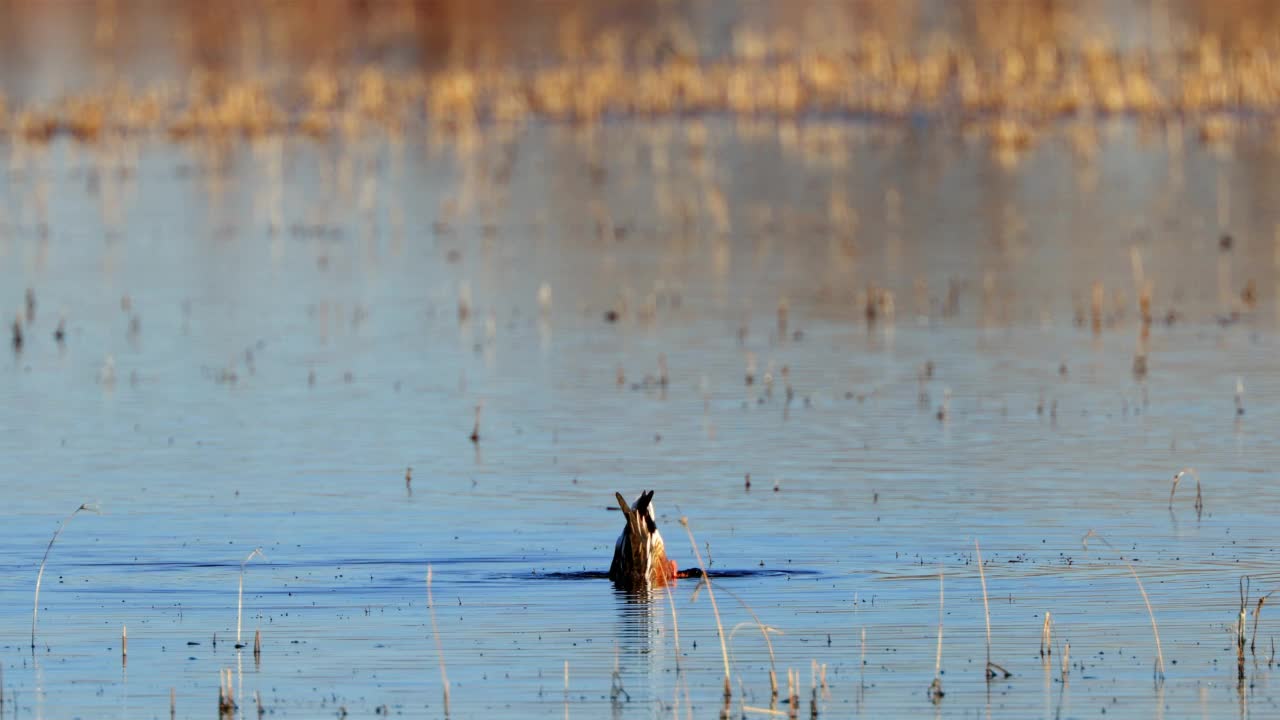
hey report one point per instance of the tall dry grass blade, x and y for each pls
(764, 631)
(935, 688)
(1199, 506)
(1155, 629)
(986, 609)
(124, 644)
(257, 552)
(435, 633)
(1066, 661)
(35, 610)
(724, 649)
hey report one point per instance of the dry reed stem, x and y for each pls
(763, 711)
(124, 644)
(1155, 630)
(1199, 498)
(1242, 622)
(35, 611)
(1046, 636)
(935, 688)
(173, 704)
(435, 632)
(226, 693)
(1066, 661)
(715, 609)
(986, 608)
(764, 631)
(1257, 616)
(257, 552)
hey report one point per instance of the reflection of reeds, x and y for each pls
(35, 611)
(1155, 630)
(724, 649)
(435, 632)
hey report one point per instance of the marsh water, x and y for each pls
(850, 352)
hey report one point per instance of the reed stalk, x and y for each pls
(724, 649)
(1176, 478)
(435, 632)
(257, 552)
(935, 688)
(986, 609)
(35, 610)
(1155, 630)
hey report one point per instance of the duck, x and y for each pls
(640, 559)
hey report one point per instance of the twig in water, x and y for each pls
(226, 694)
(257, 552)
(1155, 630)
(764, 630)
(1257, 616)
(1199, 499)
(475, 431)
(986, 608)
(124, 644)
(935, 688)
(724, 649)
(1046, 636)
(435, 632)
(1242, 622)
(35, 611)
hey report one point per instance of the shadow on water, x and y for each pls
(714, 574)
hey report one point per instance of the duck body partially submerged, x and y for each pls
(639, 556)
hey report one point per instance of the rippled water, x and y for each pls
(261, 338)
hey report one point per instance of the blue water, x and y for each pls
(298, 345)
